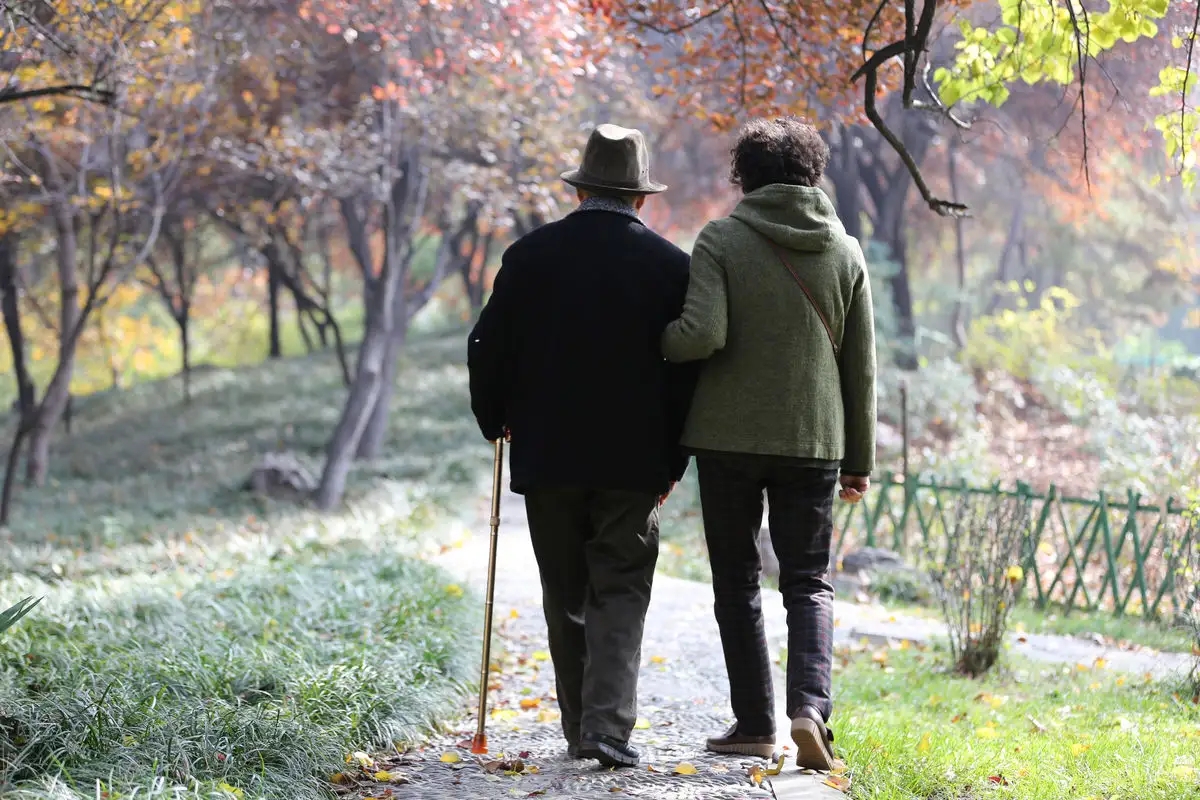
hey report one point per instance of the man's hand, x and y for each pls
(853, 487)
(662, 499)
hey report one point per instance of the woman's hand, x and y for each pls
(853, 487)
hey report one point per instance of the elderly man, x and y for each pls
(565, 361)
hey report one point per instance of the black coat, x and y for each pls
(566, 356)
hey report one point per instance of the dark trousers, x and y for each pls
(596, 551)
(801, 525)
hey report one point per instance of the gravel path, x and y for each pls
(683, 694)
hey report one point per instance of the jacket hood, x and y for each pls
(793, 217)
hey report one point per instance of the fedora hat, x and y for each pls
(616, 159)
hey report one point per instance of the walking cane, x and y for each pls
(479, 743)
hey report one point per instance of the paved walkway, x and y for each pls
(683, 694)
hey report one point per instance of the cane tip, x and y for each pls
(479, 745)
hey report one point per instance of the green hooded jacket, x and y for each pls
(779, 380)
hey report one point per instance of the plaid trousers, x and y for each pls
(801, 526)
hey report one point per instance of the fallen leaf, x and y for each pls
(642, 724)
(926, 743)
(548, 715)
(530, 703)
(450, 758)
(1079, 749)
(657, 660)
(514, 614)
(1121, 680)
(454, 590)
(719, 768)
(987, 733)
(756, 775)
(686, 769)
(957, 719)
(1037, 726)
(999, 780)
(778, 767)
(390, 777)
(839, 782)
(1184, 772)
(340, 778)
(541, 655)
(615, 789)
(1100, 663)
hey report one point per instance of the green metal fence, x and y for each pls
(1103, 553)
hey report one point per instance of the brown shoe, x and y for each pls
(814, 742)
(733, 742)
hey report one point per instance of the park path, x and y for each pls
(682, 695)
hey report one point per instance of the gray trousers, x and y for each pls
(596, 551)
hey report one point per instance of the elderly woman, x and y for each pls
(779, 303)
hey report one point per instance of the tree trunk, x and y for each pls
(54, 403)
(185, 345)
(373, 438)
(10, 306)
(273, 282)
(1014, 243)
(958, 320)
(847, 187)
(369, 377)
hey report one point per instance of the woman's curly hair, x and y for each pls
(781, 150)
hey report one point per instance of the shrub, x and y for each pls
(1187, 588)
(979, 576)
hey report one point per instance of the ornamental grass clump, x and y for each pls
(1186, 553)
(980, 576)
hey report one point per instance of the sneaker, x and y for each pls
(814, 742)
(609, 751)
(733, 742)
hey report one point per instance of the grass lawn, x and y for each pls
(909, 729)
(199, 641)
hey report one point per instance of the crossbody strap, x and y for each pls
(812, 300)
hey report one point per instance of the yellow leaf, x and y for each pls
(362, 758)
(383, 775)
(657, 660)
(339, 777)
(686, 769)
(541, 655)
(839, 782)
(454, 590)
(987, 733)
(926, 743)
(756, 775)
(642, 724)
(546, 715)
(777, 767)
(1093, 686)
(450, 758)
(514, 614)
(1100, 663)
(504, 714)
(530, 703)
(1015, 574)
(1079, 749)
(1121, 680)
(1184, 772)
